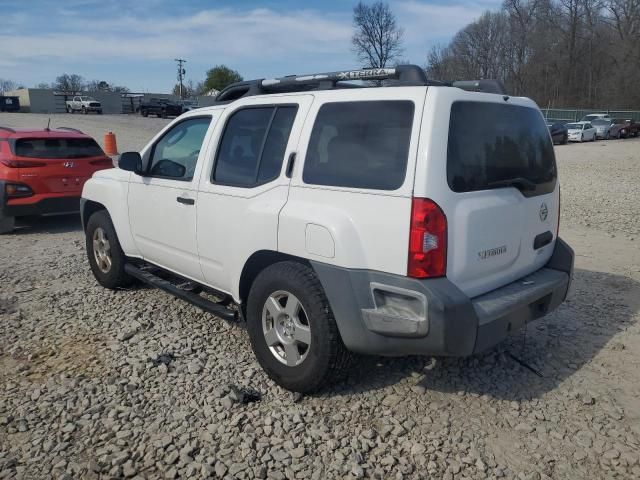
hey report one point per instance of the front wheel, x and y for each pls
(106, 257)
(84, 110)
(582, 138)
(607, 136)
(292, 330)
(69, 109)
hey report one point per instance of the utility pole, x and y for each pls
(181, 72)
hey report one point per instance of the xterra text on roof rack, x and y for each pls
(412, 218)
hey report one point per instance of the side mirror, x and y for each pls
(131, 162)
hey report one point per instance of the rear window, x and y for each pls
(360, 145)
(491, 144)
(57, 148)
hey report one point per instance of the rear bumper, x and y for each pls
(42, 206)
(384, 314)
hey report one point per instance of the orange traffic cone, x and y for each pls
(110, 146)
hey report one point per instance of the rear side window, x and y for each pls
(491, 144)
(253, 146)
(57, 148)
(360, 145)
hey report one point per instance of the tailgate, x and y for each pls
(494, 175)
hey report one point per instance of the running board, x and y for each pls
(193, 298)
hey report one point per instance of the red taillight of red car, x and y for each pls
(17, 190)
(21, 163)
(427, 240)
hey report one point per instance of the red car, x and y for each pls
(43, 171)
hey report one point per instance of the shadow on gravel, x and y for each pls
(48, 224)
(599, 306)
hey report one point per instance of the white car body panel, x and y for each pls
(369, 229)
(582, 134)
(235, 222)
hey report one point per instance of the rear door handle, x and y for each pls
(186, 201)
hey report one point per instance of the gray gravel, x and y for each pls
(137, 384)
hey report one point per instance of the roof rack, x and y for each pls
(70, 129)
(8, 129)
(401, 75)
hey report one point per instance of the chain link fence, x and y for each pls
(574, 115)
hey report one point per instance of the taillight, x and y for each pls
(427, 240)
(22, 163)
(17, 190)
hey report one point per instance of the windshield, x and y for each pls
(56, 148)
(574, 126)
(87, 99)
(590, 117)
(492, 143)
(600, 122)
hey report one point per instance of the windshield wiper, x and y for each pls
(521, 183)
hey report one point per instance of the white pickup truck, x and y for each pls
(84, 104)
(414, 219)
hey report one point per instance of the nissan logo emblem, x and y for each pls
(544, 212)
(69, 164)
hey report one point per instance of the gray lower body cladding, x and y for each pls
(384, 314)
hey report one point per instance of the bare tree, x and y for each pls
(7, 85)
(69, 83)
(571, 53)
(377, 40)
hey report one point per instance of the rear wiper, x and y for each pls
(521, 183)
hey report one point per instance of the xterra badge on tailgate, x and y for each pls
(492, 252)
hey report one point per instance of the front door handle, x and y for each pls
(186, 201)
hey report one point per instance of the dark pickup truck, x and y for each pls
(161, 108)
(9, 104)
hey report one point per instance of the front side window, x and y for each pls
(360, 145)
(176, 153)
(253, 145)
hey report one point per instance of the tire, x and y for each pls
(99, 112)
(619, 137)
(594, 138)
(84, 110)
(302, 367)
(607, 136)
(144, 113)
(582, 138)
(163, 114)
(69, 109)
(565, 140)
(7, 224)
(113, 275)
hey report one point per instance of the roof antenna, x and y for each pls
(48, 123)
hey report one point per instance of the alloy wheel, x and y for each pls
(102, 250)
(286, 329)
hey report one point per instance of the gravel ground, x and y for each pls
(135, 383)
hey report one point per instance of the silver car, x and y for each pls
(603, 128)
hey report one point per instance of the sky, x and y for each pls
(134, 43)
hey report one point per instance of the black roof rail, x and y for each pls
(486, 86)
(70, 129)
(402, 75)
(8, 129)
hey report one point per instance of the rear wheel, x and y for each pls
(607, 136)
(292, 330)
(84, 110)
(582, 138)
(69, 109)
(163, 113)
(105, 255)
(565, 140)
(7, 224)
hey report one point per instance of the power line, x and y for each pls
(181, 72)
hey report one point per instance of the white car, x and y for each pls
(582, 132)
(413, 219)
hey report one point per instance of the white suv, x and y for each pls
(417, 218)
